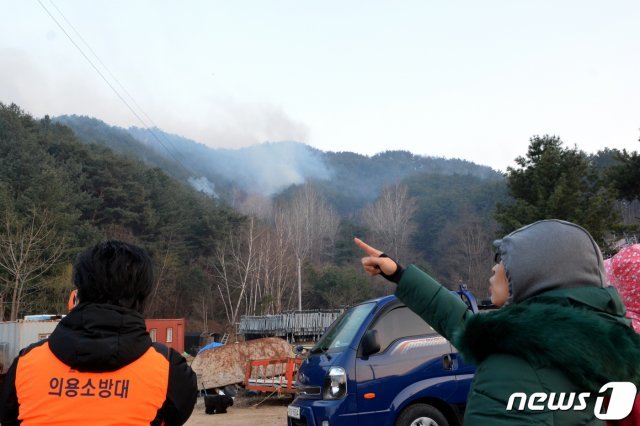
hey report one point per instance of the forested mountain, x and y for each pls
(93, 131)
(82, 180)
(232, 231)
(445, 189)
(62, 195)
(265, 168)
(347, 179)
(357, 179)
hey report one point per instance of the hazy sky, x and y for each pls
(464, 79)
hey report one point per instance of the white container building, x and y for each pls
(17, 335)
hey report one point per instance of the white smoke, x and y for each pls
(203, 184)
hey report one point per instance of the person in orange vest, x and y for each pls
(99, 365)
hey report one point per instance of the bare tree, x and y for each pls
(28, 249)
(276, 272)
(466, 251)
(312, 225)
(160, 279)
(253, 270)
(390, 220)
(233, 269)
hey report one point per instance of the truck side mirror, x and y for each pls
(468, 298)
(370, 343)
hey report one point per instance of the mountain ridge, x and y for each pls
(270, 168)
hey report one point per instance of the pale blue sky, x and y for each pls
(465, 79)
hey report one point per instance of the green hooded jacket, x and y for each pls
(563, 332)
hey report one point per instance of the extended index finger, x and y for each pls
(367, 248)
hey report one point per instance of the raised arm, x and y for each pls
(441, 309)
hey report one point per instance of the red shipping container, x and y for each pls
(167, 331)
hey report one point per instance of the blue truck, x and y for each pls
(381, 364)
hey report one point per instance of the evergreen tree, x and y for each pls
(88, 193)
(556, 182)
(625, 175)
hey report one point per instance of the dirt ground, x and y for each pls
(271, 411)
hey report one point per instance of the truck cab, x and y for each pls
(381, 364)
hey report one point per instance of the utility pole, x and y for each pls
(299, 285)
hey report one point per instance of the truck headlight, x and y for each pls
(335, 383)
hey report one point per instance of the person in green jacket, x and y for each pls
(559, 337)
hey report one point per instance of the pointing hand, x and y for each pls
(373, 264)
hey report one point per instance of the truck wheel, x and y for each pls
(421, 415)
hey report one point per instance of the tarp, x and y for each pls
(210, 346)
(226, 365)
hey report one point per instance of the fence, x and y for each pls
(293, 326)
(272, 375)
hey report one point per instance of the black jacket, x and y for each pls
(102, 338)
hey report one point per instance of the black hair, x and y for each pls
(115, 273)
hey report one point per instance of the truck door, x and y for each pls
(412, 356)
(464, 376)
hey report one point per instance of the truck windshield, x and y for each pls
(342, 331)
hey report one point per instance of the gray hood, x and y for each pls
(549, 255)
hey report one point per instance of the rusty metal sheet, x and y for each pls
(226, 365)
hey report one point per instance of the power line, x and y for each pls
(109, 83)
(104, 66)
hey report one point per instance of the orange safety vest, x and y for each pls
(50, 392)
